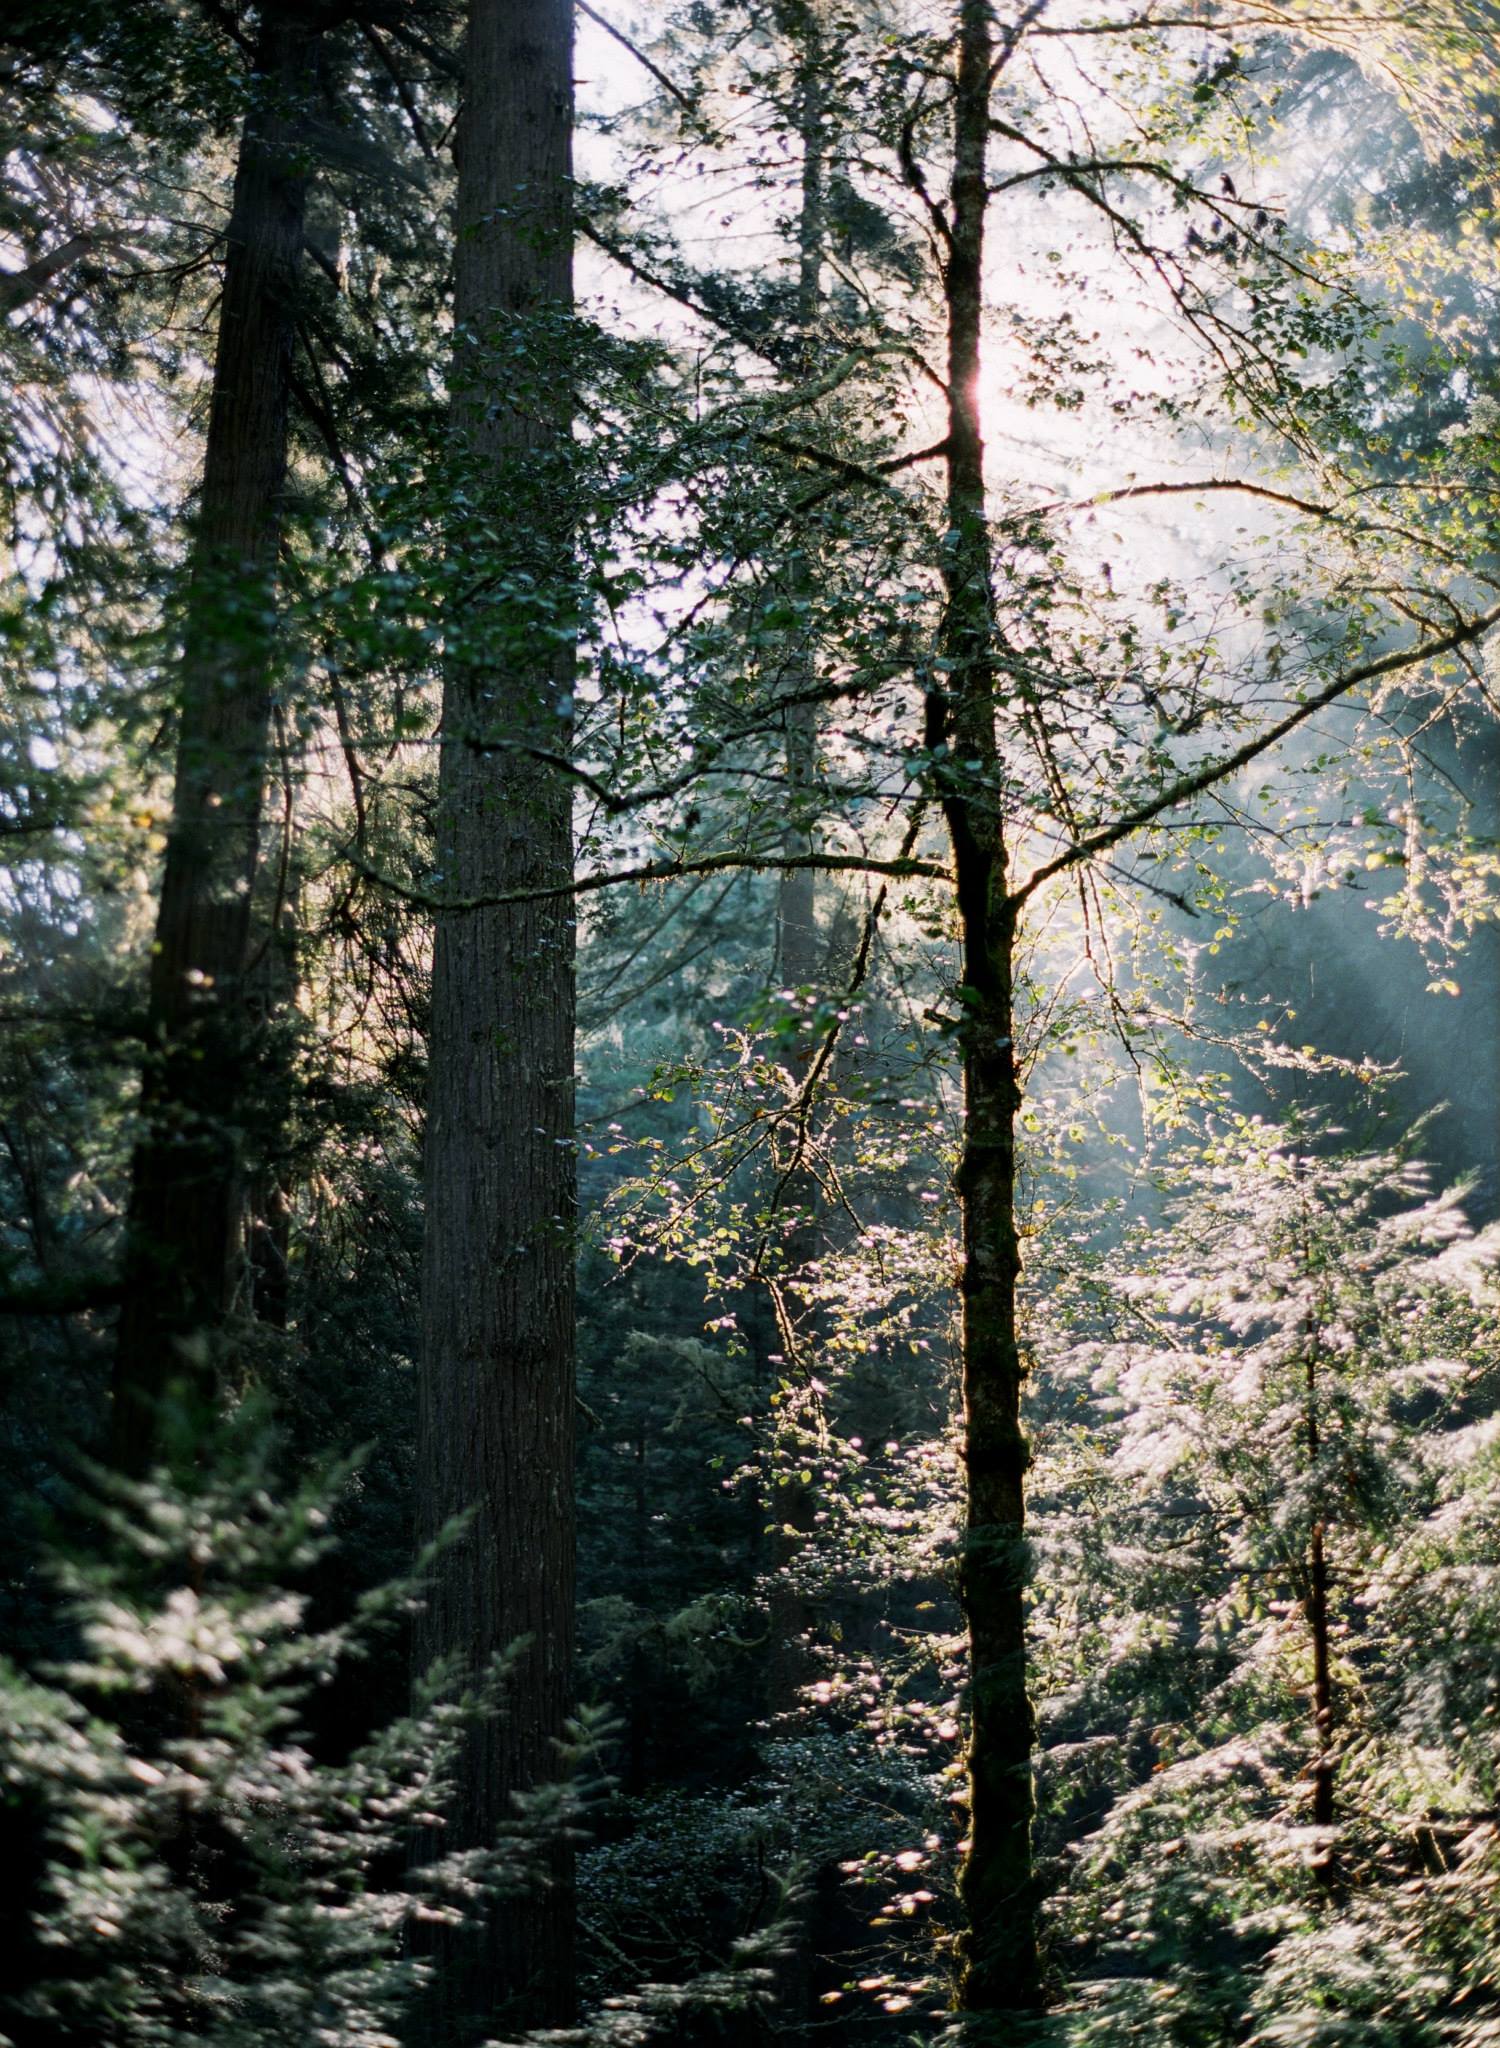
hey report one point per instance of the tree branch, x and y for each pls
(1330, 514)
(223, 18)
(875, 474)
(1201, 779)
(404, 92)
(682, 295)
(667, 84)
(19, 287)
(665, 871)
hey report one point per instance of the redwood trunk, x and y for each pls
(267, 1200)
(496, 1408)
(997, 1950)
(183, 1225)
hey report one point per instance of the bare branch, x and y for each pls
(666, 871)
(404, 92)
(1011, 38)
(875, 474)
(1202, 779)
(19, 287)
(1331, 515)
(667, 84)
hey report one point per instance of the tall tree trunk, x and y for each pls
(998, 1954)
(797, 953)
(799, 956)
(183, 1231)
(496, 1407)
(797, 959)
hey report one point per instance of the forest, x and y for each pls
(749, 1068)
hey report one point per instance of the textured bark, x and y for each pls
(997, 1950)
(271, 994)
(183, 1228)
(496, 1408)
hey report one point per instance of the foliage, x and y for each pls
(201, 1866)
(1240, 394)
(1277, 1427)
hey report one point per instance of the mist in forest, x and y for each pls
(749, 1158)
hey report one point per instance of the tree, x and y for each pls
(1054, 729)
(188, 1857)
(496, 1412)
(1264, 1468)
(186, 1864)
(183, 1226)
(959, 565)
(974, 675)
(999, 1952)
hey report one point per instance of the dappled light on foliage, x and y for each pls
(749, 1094)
